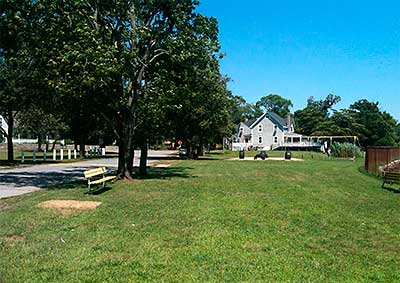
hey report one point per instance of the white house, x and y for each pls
(3, 124)
(269, 132)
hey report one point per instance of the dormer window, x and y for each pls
(260, 128)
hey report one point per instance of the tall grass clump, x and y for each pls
(345, 150)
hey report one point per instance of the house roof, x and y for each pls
(281, 122)
(249, 122)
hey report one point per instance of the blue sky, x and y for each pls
(311, 48)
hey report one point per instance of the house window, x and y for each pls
(241, 129)
(260, 140)
(275, 139)
(260, 128)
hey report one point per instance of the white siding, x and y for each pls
(3, 124)
(269, 131)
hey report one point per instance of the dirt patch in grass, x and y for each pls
(253, 246)
(12, 240)
(15, 238)
(68, 207)
(4, 206)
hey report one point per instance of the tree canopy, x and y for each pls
(275, 103)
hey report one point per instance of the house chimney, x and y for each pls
(289, 123)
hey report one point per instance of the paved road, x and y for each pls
(20, 181)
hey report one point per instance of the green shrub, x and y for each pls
(345, 150)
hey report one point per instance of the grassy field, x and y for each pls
(211, 221)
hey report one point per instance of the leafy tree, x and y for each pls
(78, 66)
(36, 123)
(19, 80)
(199, 101)
(398, 134)
(143, 32)
(379, 128)
(275, 103)
(242, 110)
(314, 119)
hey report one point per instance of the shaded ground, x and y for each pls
(28, 179)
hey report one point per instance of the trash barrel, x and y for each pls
(288, 155)
(241, 154)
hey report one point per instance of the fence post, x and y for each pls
(34, 155)
(54, 154)
(44, 154)
(61, 154)
(69, 154)
(22, 156)
(74, 153)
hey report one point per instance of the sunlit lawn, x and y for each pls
(212, 221)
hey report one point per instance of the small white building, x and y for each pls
(3, 125)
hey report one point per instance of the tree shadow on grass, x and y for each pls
(363, 171)
(172, 158)
(72, 178)
(393, 190)
(98, 191)
(65, 179)
(7, 163)
(164, 158)
(167, 173)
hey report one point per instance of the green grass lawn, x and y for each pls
(212, 221)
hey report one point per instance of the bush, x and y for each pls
(345, 150)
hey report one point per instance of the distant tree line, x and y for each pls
(363, 118)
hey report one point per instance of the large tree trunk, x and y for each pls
(10, 145)
(200, 151)
(125, 160)
(144, 150)
(82, 144)
(125, 147)
(39, 143)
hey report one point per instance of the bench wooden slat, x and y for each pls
(391, 178)
(97, 172)
(105, 179)
(94, 172)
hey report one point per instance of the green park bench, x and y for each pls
(390, 178)
(97, 176)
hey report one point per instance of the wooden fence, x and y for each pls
(380, 155)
